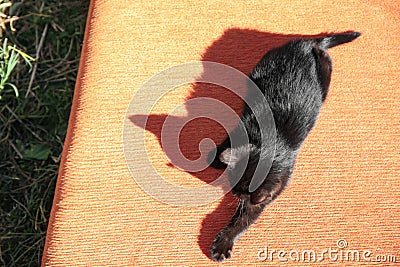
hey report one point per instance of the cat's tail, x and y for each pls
(336, 39)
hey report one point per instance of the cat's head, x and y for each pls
(242, 163)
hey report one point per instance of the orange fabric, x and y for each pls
(346, 185)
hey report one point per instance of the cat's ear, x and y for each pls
(231, 156)
(259, 196)
(336, 39)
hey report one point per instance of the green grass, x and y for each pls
(33, 125)
(9, 59)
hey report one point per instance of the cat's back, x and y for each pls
(287, 76)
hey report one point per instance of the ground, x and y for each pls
(33, 125)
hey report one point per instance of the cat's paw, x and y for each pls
(221, 248)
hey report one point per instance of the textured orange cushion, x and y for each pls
(346, 185)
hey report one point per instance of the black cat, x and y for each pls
(294, 79)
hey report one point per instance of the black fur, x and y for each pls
(294, 79)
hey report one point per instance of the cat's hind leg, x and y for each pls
(213, 158)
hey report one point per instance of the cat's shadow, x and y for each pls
(240, 49)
